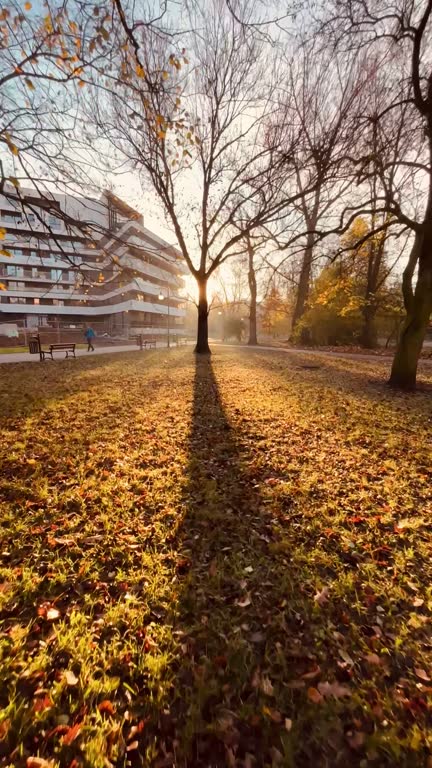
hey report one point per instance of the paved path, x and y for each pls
(26, 357)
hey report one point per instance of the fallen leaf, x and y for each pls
(39, 762)
(52, 614)
(133, 745)
(417, 602)
(72, 733)
(373, 658)
(106, 706)
(70, 678)
(273, 714)
(314, 695)
(266, 686)
(312, 674)
(288, 724)
(333, 689)
(244, 602)
(321, 598)
(422, 674)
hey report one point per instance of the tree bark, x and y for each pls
(253, 339)
(202, 345)
(418, 305)
(368, 337)
(304, 283)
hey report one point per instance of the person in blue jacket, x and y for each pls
(89, 334)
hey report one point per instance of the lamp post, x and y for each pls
(161, 297)
(221, 315)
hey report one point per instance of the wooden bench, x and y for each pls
(181, 341)
(145, 343)
(68, 348)
(35, 347)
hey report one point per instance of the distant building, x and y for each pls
(108, 271)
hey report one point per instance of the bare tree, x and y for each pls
(395, 39)
(321, 107)
(203, 148)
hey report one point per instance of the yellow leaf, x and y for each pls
(28, 6)
(139, 70)
(4, 252)
(29, 84)
(161, 134)
(2, 287)
(165, 75)
(2, 233)
(13, 180)
(81, 83)
(13, 148)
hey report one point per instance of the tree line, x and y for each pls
(305, 140)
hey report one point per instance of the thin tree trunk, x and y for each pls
(253, 339)
(202, 345)
(368, 337)
(304, 284)
(418, 305)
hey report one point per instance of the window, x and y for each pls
(56, 274)
(16, 300)
(35, 272)
(72, 276)
(36, 301)
(14, 271)
(54, 222)
(8, 217)
(58, 302)
(13, 285)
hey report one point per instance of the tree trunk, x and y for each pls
(202, 345)
(419, 308)
(303, 286)
(368, 337)
(253, 340)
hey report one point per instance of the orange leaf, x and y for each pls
(72, 733)
(314, 695)
(106, 706)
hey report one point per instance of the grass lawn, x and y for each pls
(214, 563)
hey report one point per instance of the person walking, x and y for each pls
(89, 335)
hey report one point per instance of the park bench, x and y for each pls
(145, 343)
(35, 348)
(68, 348)
(181, 341)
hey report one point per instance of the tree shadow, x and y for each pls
(226, 602)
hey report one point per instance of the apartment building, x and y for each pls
(68, 261)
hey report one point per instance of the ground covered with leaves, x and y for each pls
(218, 562)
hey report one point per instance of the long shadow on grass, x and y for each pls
(227, 597)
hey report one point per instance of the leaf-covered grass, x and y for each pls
(214, 563)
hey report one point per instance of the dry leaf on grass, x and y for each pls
(321, 598)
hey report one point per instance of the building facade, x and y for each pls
(70, 262)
